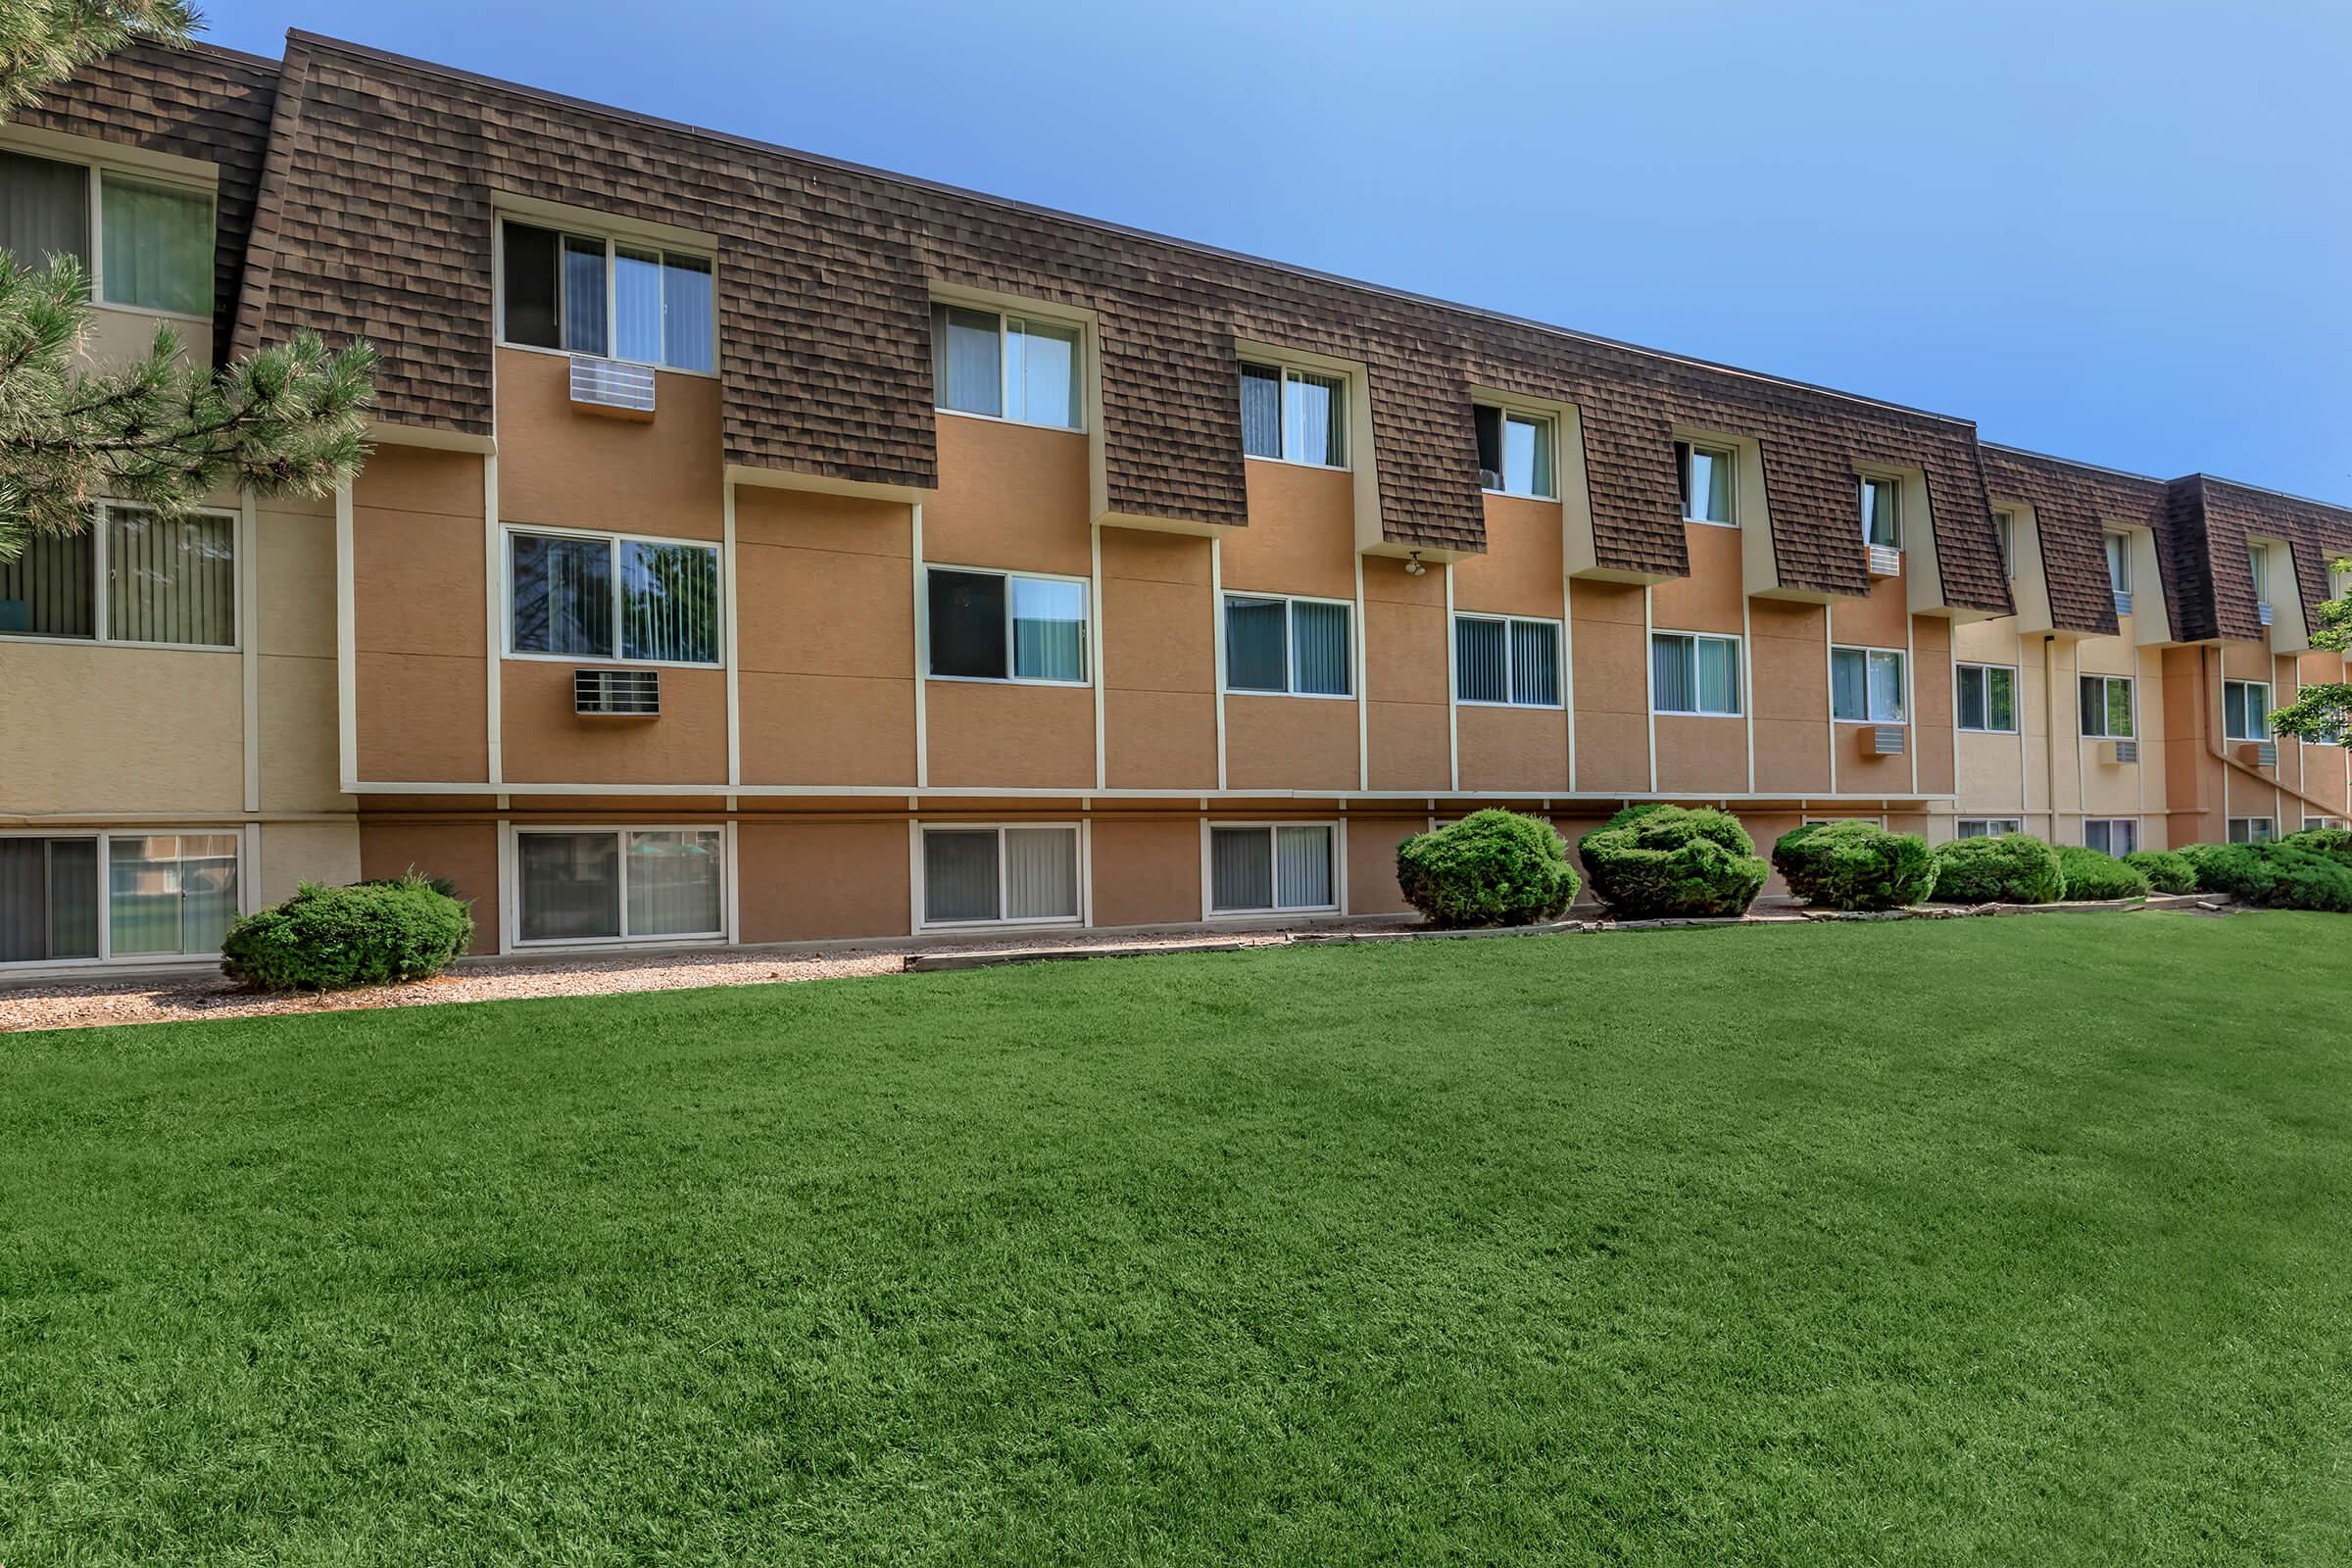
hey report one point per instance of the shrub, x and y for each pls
(2303, 880)
(327, 939)
(2332, 842)
(1655, 861)
(1491, 869)
(2232, 868)
(2009, 868)
(2166, 870)
(1855, 865)
(2095, 874)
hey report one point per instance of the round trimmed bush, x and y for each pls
(329, 939)
(1492, 868)
(1651, 862)
(2334, 842)
(1854, 865)
(2094, 874)
(2007, 868)
(2166, 870)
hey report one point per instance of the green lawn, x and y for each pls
(1993, 1242)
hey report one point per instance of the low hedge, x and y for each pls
(2232, 868)
(2007, 868)
(2095, 874)
(329, 939)
(1854, 865)
(2334, 842)
(2277, 876)
(1492, 868)
(2167, 872)
(1651, 862)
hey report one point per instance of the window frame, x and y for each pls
(2267, 707)
(2116, 545)
(918, 870)
(1290, 647)
(614, 240)
(1509, 658)
(1901, 656)
(1005, 315)
(1549, 423)
(1337, 841)
(1290, 370)
(2270, 836)
(1681, 475)
(105, 837)
(1008, 678)
(512, 870)
(100, 631)
(2258, 569)
(2083, 715)
(1959, 673)
(1993, 826)
(2004, 540)
(2130, 824)
(94, 170)
(1694, 638)
(718, 604)
(1862, 485)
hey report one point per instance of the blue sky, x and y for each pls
(2116, 232)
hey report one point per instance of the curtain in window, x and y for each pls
(1880, 523)
(1527, 456)
(673, 884)
(171, 580)
(2119, 564)
(1254, 656)
(44, 209)
(172, 893)
(1535, 664)
(1041, 873)
(967, 624)
(1887, 688)
(158, 246)
(47, 590)
(1718, 675)
(669, 602)
(1240, 868)
(965, 372)
(636, 303)
(1319, 649)
(688, 308)
(562, 596)
(1302, 867)
(569, 885)
(1850, 684)
(531, 286)
(583, 295)
(1049, 629)
(48, 900)
(1043, 373)
(1481, 661)
(1315, 420)
(959, 874)
(1673, 675)
(1261, 411)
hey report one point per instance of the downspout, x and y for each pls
(2207, 693)
(2049, 698)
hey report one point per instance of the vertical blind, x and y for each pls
(563, 595)
(47, 591)
(636, 302)
(1302, 867)
(689, 314)
(583, 281)
(959, 874)
(44, 209)
(661, 305)
(1041, 371)
(1261, 411)
(569, 885)
(1315, 426)
(171, 580)
(1482, 660)
(673, 882)
(158, 248)
(171, 892)
(669, 602)
(1041, 873)
(1240, 868)
(1693, 675)
(48, 900)
(1319, 649)
(1535, 664)
(966, 373)
(1049, 629)
(1255, 652)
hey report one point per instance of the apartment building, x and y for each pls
(763, 549)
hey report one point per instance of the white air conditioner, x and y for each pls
(1886, 560)
(2123, 601)
(2261, 610)
(2120, 753)
(611, 387)
(1882, 740)
(617, 693)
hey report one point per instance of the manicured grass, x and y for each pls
(1999, 1241)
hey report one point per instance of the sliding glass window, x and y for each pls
(996, 625)
(1515, 451)
(168, 581)
(1007, 367)
(580, 596)
(1295, 415)
(1693, 674)
(1288, 646)
(1506, 660)
(619, 885)
(1267, 868)
(584, 294)
(990, 876)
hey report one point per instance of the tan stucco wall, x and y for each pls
(1159, 673)
(817, 881)
(1612, 660)
(421, 624)
(1147, 869)
(109, 729)
(1404, 676)
(294, 852)
(465, 851)
(561, 468)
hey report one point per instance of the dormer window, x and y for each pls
(1883, 513)
(1706, 476)
(1005, 366)
(1514, 453)
(2004, 538)
(2119, 562)
(155, 248)
(607, 298)
(1295, 415)
(2258, 566)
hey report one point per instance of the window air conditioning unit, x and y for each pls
(2259, 754)
(2120, 753)
(617, 693)
(1886, 560)
(2261, 610)
(2123, 601)
(612, 388)
(1882, 740)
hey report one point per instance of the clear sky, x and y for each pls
(2113, 231)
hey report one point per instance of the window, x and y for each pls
(1693, 674)
(1515, 451)
(1989, 697)
(2339, 582)
(983, 875)
(2245, 710)
(1270, 868)
(44, 209)
(2119, 562)
(994, 625)
(155, 250)
(2106, 707)
(1705, 476)
(49, 904)
(168, 581)
(1883, 513)
(1007, 367)
(1988, 828)
(161, 896)
(2312, 822)
(2004, 538)
(1506, 660)
(1295, 416)
(2258, 571)
(1295, 647)
(2116, 836)
(2253, 829)
(570, 594)
(619, 885)
(614, 299)
(1865, 686)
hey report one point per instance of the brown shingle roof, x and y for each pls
(2315, 535)
(2072, 502)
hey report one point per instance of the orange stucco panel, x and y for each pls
(560, 467)
(1013, 497)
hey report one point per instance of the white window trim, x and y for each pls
(1005, 317)
(918, 872)
(1866, 477)
(2230, 830)
(1549, 422)
(510, 876)
(2130, 824)
(506, 590)
(1694, 638)
(99, 546)
(1509, 657)
(1988, 729)
(2266, 701)
(1724, 453)
(1903, 662)
(106, 896)
(1343, 401)
(1993, 828)
(2130, 682)
(1338, 864)
(922, 629)
(1290, 659)
(613, 238)
(2335, 824)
